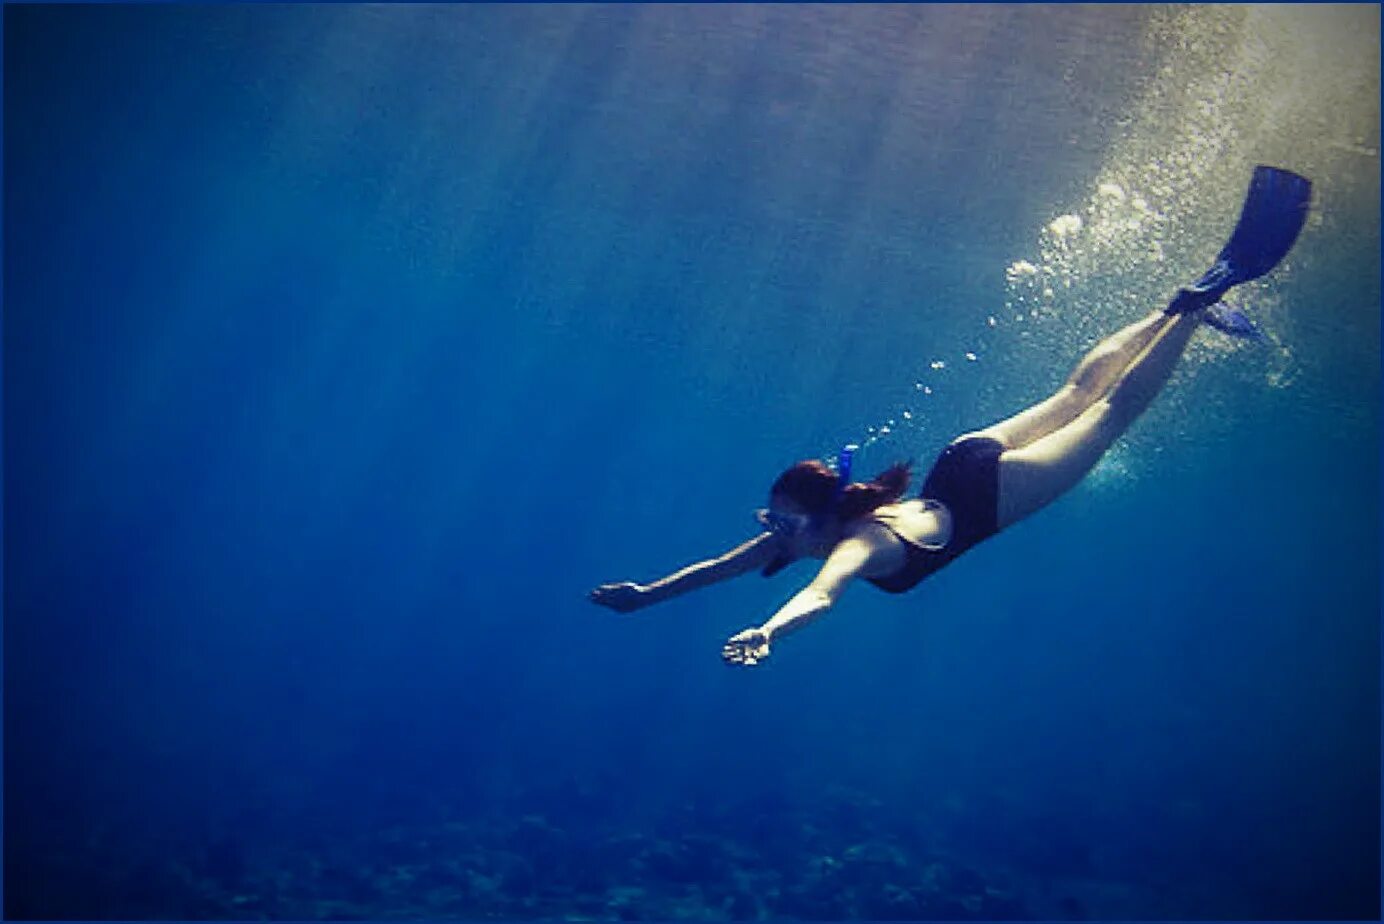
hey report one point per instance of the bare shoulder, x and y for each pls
(870, 549)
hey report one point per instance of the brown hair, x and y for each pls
(812, 485)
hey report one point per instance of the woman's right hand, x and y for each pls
(625, 597)
(748, 647)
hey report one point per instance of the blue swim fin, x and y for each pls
(1231, 321)
(1274, 212)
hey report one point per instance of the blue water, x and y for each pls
(347, 348)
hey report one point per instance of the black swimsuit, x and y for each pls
(965, 477)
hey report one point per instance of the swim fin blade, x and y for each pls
(1274, 212)
(1231, 321)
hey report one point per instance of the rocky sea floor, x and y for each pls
(850, 859)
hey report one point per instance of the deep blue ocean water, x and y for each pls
(347, 347)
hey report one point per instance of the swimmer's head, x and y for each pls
(811, 489)
(805, 488)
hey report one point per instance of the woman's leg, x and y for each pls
(1091, 379)
(1037, 473)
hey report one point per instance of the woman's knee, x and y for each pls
(1100, 368)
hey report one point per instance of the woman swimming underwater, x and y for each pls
(988, 480)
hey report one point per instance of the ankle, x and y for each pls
(1189, 301)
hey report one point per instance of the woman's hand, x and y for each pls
(748, 647)
(625, 597)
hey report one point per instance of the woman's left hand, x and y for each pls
(748, 647)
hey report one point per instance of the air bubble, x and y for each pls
(1065, 225)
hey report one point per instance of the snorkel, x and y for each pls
(843, 470)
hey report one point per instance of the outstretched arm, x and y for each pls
(847, 561)
(627, 597)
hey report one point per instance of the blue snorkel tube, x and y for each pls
(843, 469)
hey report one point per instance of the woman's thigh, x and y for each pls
(1034, 476)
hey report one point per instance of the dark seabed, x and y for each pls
(348, 347)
